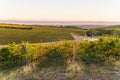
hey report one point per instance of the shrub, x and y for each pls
(4, 54)
(89, 52)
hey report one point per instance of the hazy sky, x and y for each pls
(61, 10)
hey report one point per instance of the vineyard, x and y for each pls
(33, 60)
(15, 26)
(35, 34)
(104, 52)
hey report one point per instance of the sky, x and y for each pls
(60, 10)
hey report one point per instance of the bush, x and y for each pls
(4, 54)
(104, 50)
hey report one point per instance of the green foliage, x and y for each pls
(4, 54)
(106, 49)
(100, 31)
(92, 32)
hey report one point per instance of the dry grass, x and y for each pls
(83, 72)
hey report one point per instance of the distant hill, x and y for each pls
(60, 22)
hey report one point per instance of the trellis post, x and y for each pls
(74, 48)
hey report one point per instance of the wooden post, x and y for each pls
(74, 51)
(25, 51)
(74, 48)
(75, 67)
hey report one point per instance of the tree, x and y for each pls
(92, 32)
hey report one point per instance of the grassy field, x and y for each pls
(37, 34)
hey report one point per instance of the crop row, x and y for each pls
(101, 51)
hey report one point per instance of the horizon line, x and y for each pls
(59, 20)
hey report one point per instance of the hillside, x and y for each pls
(35, 34)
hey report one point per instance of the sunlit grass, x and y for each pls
(37, 34)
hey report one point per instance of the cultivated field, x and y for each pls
(94, 60)
(35, 34)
